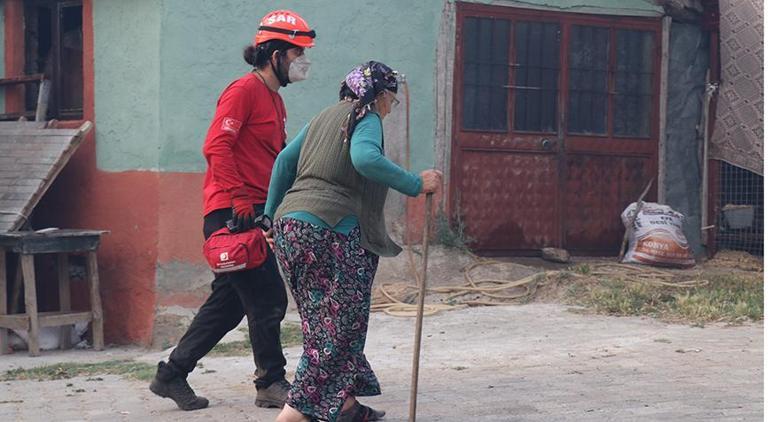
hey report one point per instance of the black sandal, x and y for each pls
(360, 413)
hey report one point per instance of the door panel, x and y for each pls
(499, 217)
(555, 126)
(598, 188)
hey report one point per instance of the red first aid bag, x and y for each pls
(227, 252)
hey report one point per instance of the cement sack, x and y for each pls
(657, 237)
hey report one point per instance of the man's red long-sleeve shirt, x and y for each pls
(245, 137)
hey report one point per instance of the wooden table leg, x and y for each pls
(97, 325)
(16, 288)
(63, 265)
(4, 346)
(30, 301)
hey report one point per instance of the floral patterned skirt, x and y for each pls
(330, 276)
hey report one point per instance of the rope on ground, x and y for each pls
(492, 289)
(496, 292)
(650, 275)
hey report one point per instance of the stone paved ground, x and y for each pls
(518, 363)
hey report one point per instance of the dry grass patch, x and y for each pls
(126, 368)
(727, 297)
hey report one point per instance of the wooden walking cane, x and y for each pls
(420, 305)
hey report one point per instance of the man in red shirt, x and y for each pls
(247, 133)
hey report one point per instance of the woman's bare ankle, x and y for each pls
(290, 414)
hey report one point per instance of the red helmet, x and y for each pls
(287, 26)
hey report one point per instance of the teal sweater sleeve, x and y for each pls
(284, 172)
(369, 160)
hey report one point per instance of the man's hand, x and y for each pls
(243, 210)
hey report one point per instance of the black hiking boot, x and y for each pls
(168, 384)
(273, 395)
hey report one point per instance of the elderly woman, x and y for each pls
(327, 193)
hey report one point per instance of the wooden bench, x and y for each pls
(63, 243)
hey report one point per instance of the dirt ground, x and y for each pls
(538, 360)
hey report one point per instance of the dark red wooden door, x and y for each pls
(555, 127)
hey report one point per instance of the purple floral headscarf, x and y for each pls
(366, 81)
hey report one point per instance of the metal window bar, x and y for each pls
(484, 73)
(536, 76)
(633, 79)
(741, 205)
(588, 80)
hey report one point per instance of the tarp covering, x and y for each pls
(738, 133)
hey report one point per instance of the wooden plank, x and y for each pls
(55, 245)
(15, 190)
(41, 170)
(30, 301)
(17, 115)
(28, 148)
(4, 346)
(36, 77)
(42, 100)
(17, 193)
(45, 160)
(63, 269)
(7, 224)
(5, 131)
(46, 136)
(18, 279)
(33, 150)
(23, 182)
(18, 190)
(14, 206)
(40, 157)
(33, 141)
(45, 319)
(60, 319)
(97, 326)
(15, 322)
(29, 125)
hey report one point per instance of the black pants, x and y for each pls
(259, 294)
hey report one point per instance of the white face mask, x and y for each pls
(299, 69)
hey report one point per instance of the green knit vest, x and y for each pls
(328, 186)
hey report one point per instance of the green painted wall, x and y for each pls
(126, 83)
(161, 65)
(201, 53)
